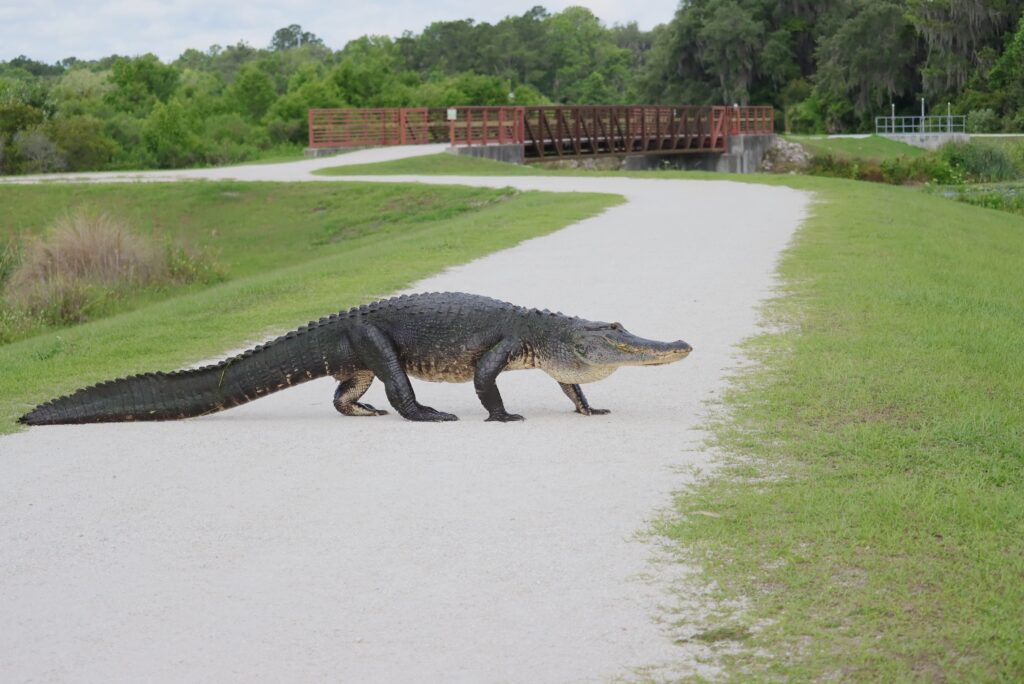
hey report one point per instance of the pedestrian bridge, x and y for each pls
(546, 132)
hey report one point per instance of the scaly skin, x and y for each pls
(442, 337)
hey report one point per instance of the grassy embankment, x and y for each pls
(872, 158)
(872, 510)
(290, 253)
(872, 148)
(442, 164)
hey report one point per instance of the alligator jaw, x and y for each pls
(653, 353)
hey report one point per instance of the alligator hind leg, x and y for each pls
(377, 352)
(350, 389)
(582, 406)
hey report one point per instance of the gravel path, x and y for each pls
(282, 542)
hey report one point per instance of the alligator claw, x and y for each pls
(427, 414)
(504, 417)
(593, 412)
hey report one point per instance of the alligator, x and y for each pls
(438, 336)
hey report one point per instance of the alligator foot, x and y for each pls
(359, 409)
(587, 411)
(427, 414)
(504, 417)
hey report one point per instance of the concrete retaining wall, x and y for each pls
(316, 152)
(929, 141)
(512, 154)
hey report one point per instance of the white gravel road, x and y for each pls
(281, 542)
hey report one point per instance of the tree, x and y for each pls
(729, 41)
(868, 60)
(1006, 79)
(581, 47)
(83, 143)
(370, 73)
(252, 92)
(168, 136)
(288, 118)
(959, 34)
(292, 37)
(140, 82)
(38, 153)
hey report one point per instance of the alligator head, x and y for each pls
(611, 345)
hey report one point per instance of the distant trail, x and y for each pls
(280, 541)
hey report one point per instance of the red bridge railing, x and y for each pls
(553, 132)
(751, 120)
(546, 132)
(368, 127)
(485, 125)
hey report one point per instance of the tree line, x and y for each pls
(825, 65)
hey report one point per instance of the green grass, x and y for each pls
(442, 164)
(251, 227)
(1007, 142)
(293, 252)
(873, 148)
(277, 155)
(246, 228)
(873, 509)
(871, 514)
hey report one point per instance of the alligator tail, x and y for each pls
(310, 352)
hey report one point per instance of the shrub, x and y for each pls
(1008, 198)
(84, 257)
(229, 138)
(896, 171)
(979, 163)
(983, 121)
(169, 137)
(89, 259)
(38, 152)
(83, 142)
(8, 260)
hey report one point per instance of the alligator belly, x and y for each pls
(441, 372)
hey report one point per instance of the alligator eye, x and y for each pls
(616, 326)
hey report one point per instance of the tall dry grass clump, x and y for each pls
(85, 259)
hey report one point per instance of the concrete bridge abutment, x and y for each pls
(743, 154)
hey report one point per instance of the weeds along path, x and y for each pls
(281, 541)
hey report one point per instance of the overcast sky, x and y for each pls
(50, 30)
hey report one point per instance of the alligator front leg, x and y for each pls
(377, 352)
(350, 389)
(485, 377)
(582, 406)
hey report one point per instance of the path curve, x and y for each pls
(281, 542)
